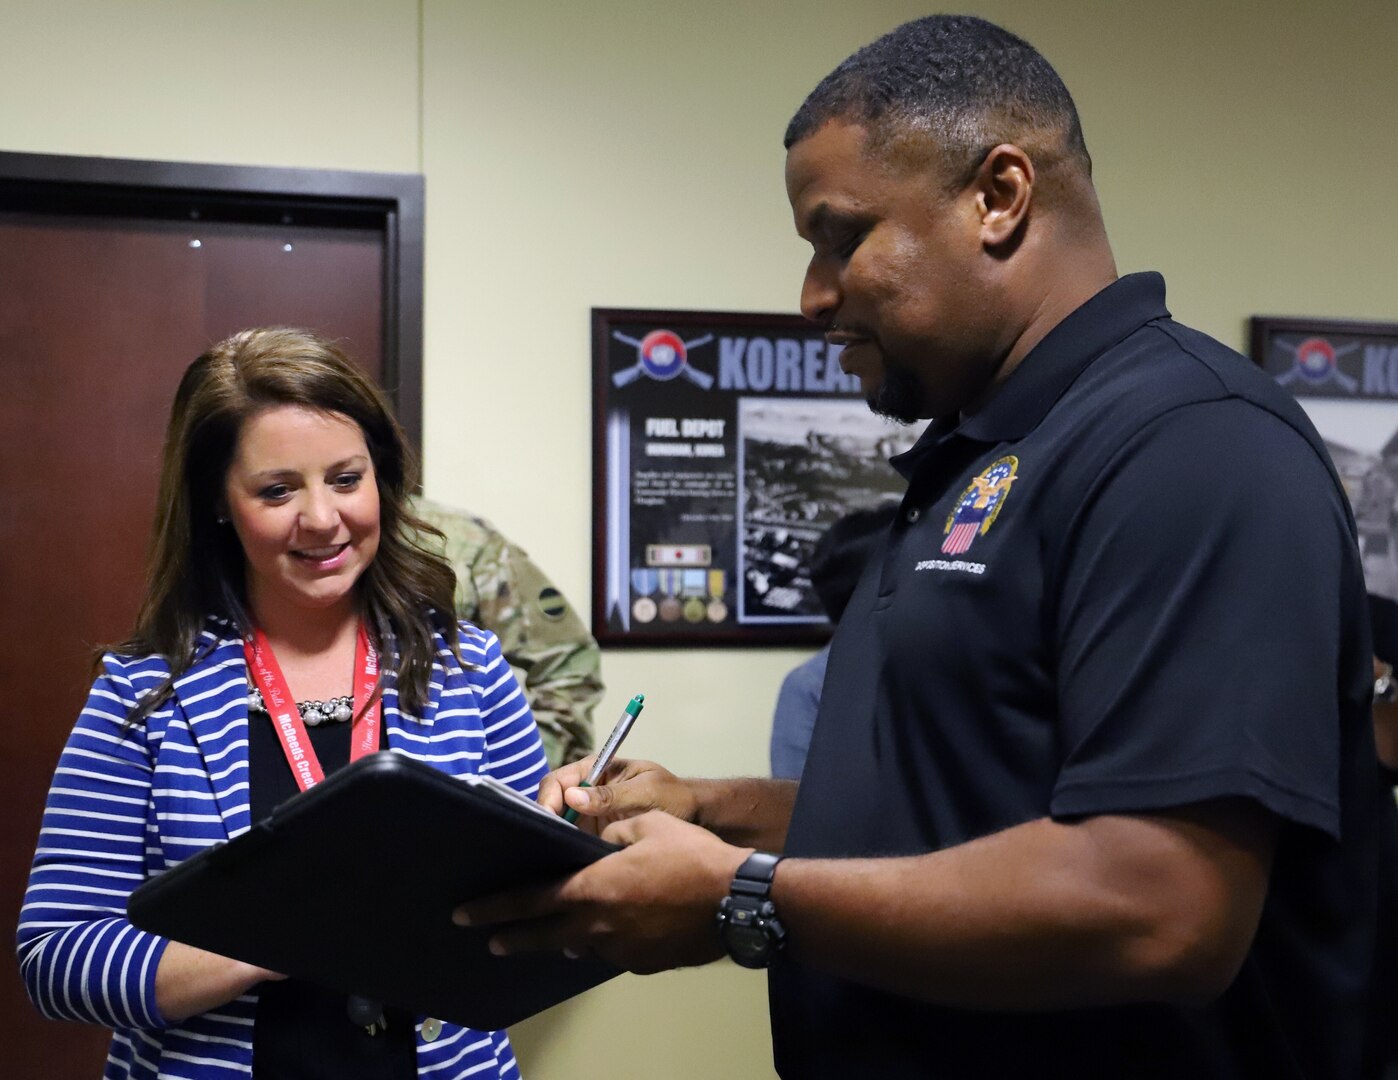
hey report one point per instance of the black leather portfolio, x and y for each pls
(351, 885)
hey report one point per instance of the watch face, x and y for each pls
(746, 936)
(747, 945)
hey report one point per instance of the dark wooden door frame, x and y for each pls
(166, 190)
(66, 217)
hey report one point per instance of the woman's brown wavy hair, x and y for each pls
(196, 564)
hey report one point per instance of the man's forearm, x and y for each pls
(1045, 915)
(748, 812)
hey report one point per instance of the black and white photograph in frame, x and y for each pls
(804, 464)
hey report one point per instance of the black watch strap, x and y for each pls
(754, 877)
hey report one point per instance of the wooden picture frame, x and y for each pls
(1347, 359)
(724, 443)
(1344, 373)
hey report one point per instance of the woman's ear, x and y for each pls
(1004, 189)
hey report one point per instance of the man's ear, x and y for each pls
(1004, 187)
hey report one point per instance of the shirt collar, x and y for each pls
(1049, 369)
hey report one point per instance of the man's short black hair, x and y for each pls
(968, 84)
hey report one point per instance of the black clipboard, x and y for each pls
(351, 885)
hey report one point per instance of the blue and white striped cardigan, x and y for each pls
(128, 804)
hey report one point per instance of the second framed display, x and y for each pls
(1345, 374)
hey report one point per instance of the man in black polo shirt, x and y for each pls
(1093, 791)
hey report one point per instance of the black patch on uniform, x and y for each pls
(552, 604)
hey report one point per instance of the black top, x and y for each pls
(1129, 583)
(302, 1031)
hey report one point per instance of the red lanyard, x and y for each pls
(291, 729)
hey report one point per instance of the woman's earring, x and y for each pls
(221, 519)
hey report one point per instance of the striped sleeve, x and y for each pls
(514, 751)
(79, 956)
(504, 1054)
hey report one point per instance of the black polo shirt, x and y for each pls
(1129, 583)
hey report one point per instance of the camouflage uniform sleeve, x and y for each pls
(500, 589)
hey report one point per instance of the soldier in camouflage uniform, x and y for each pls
(500, 589)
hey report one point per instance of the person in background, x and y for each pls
(840, 556)
(284, 564)
(500, 589)
(1093, 790)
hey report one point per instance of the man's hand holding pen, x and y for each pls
(647, 908)
(624, 790)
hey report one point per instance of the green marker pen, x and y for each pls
(610, 747)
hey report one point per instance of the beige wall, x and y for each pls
(328, 84)
(628, 154)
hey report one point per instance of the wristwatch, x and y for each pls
(747, 919)
(1385, 686)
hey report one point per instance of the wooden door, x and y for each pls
(99, 315)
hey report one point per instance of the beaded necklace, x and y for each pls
(314, 713)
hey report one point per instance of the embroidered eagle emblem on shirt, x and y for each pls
(979, 505)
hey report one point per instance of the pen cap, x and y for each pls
(634, 705)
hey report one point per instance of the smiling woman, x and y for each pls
(301, 495)
(283, 566)
(266, 428)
